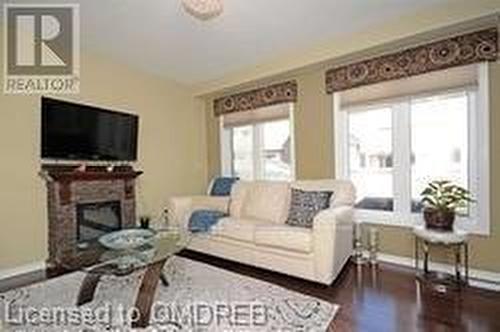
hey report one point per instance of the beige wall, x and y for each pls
(171, 150)
(314, 116)
(313, 122)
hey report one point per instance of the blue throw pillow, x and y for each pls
(222, 186)
(202, 220)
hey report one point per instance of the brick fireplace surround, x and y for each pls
(67, 187)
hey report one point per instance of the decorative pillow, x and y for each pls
(305, 205)
(222, 186)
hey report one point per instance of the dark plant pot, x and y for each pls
(439, 220)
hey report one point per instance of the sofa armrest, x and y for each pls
(180, 208)
(342, 214)
(332, 238)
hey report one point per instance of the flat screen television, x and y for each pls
(73, 131)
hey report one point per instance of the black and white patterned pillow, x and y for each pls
(305, 205)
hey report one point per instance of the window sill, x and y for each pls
(380, 218)
(391, 219)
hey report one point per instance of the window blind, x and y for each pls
(259, 115)
(453, 78)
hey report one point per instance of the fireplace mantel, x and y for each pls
(69, 186)
(93, 173)
(70, 176)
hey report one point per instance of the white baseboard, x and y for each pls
(27, 268)
(477, 278)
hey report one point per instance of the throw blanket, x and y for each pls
(201, 221)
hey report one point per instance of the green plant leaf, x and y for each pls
(444, 195)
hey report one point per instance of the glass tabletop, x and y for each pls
(102, 258)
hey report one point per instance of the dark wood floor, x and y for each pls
(386, 298)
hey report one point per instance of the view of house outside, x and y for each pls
(267, 156)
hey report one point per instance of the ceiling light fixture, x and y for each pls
(203, 9)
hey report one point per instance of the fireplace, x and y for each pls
(83, 205)
(96, 219)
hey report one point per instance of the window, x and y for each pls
(258, 146)
(392, 148)
(370, 157)
(444, 117)
(243, 151)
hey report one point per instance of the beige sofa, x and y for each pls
(255, 232)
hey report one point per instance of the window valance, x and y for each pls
(460, 50)
(285, 92)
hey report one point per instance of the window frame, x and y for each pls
(227, 146)
(478, 146)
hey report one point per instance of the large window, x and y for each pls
(370, 157)
(439, 140)
(392, 148)
(259, 147)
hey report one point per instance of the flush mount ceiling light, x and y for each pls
(203, 9)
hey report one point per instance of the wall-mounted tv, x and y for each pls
(73, 131)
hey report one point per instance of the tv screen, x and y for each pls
(79, 132)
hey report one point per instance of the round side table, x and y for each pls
(456, 240)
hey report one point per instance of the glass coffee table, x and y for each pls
(123, 256)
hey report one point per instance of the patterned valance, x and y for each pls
(270, 95)
(457, 51)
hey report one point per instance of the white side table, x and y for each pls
(456, 240)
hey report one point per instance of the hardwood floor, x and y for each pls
(387, 298)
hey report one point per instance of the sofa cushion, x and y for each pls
(305, 205)
(237, 229)
(266, 200)
(284, 237)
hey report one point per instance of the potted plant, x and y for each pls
(441, 201)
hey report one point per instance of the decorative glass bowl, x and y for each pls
(127, 239)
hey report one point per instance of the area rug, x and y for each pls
(199, 297)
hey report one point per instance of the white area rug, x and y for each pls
(199, 298)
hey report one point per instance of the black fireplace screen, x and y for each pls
(96, 219)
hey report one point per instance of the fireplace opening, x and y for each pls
(97, 219)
